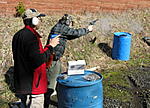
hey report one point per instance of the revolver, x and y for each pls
(93, 22)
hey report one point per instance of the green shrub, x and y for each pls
(20, 8)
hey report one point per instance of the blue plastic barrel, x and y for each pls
(121, 46)
(76, 92)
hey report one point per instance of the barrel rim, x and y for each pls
(122, 33)
(76, 85)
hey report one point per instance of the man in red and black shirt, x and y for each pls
(30, 61)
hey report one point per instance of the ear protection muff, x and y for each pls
(67, 22)
(35, 21)
(66, 19)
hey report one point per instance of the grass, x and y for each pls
(124, 96)
(6, 95)
(113, 78)
(114, 72)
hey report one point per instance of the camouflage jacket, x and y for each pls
(67, 33)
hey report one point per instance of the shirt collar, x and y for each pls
(33, 30)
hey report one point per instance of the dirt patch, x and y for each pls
(140, 83)
(7, 7)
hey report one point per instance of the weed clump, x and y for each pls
(20, 8)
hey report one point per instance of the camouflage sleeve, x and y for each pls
(71, 33)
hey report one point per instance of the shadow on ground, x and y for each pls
(105, 48)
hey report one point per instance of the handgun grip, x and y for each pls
(54, 35)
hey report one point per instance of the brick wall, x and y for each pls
(7, 7)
